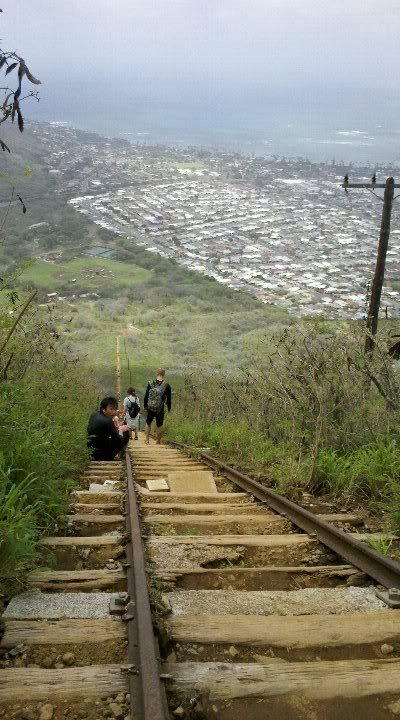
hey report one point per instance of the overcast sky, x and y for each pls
(204, 51)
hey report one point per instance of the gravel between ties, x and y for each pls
(38, 605)
(310, 601)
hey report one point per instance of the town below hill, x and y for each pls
(282, 230)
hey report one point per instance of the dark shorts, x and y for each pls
(158, 417)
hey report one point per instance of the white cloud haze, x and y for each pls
(206, 52)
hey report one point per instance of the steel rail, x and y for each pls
(147, 693)
(382, 569)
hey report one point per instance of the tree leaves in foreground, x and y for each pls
(16, 72)
(11, 105)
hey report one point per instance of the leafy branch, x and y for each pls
(11, 106)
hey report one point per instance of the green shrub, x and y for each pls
(46, 400)
(307, 411)
(18, 529)
(367, 473)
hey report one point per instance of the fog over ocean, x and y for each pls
(320, 133)
(298, 78)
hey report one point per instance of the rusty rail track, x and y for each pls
(148, 700)
(382, 569)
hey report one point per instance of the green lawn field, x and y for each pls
(89, 274)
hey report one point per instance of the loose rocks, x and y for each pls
(117, 711)
(46, 712)
(27, 714)
(38, 605)
(309, 601)
(387, 649)
(68, 658)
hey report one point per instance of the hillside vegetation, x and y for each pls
(49, 222)
(165, 315)
(46, 398)
(309, 412)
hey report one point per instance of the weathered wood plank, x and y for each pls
(80, 580)
(93, 507)
(104, 471)
(202, 507)
(246, 524)
(155, 450)
(95, 523)
(158, 472)
(94, 541)
(173, 462)
(255, 523)
(65, 575)
(257, 540)
(304, 631)
(86, 496)
(101, 477)
(61, 632)
(97, 518)
(314, 680)
(239, 508)
(29, 684)
(245, 540)
(268, 518)
(146, 495)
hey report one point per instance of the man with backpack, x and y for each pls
(158, 394)
(132, 411)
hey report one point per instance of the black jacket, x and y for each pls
(103, 438)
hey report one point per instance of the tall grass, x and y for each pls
(307, 412)
(369, 473)
(19, 531)
(43, 418)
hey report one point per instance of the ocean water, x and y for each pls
(319, 135)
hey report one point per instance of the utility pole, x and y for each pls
(379, 275)
(118, 364)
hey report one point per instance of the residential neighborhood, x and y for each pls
(282, 230)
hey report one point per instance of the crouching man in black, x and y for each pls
(103, 437)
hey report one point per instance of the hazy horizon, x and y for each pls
(295, 77)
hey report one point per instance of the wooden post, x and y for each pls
(379, 276)
(118, 372)
(376, 290)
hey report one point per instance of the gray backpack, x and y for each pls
(155, 400)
